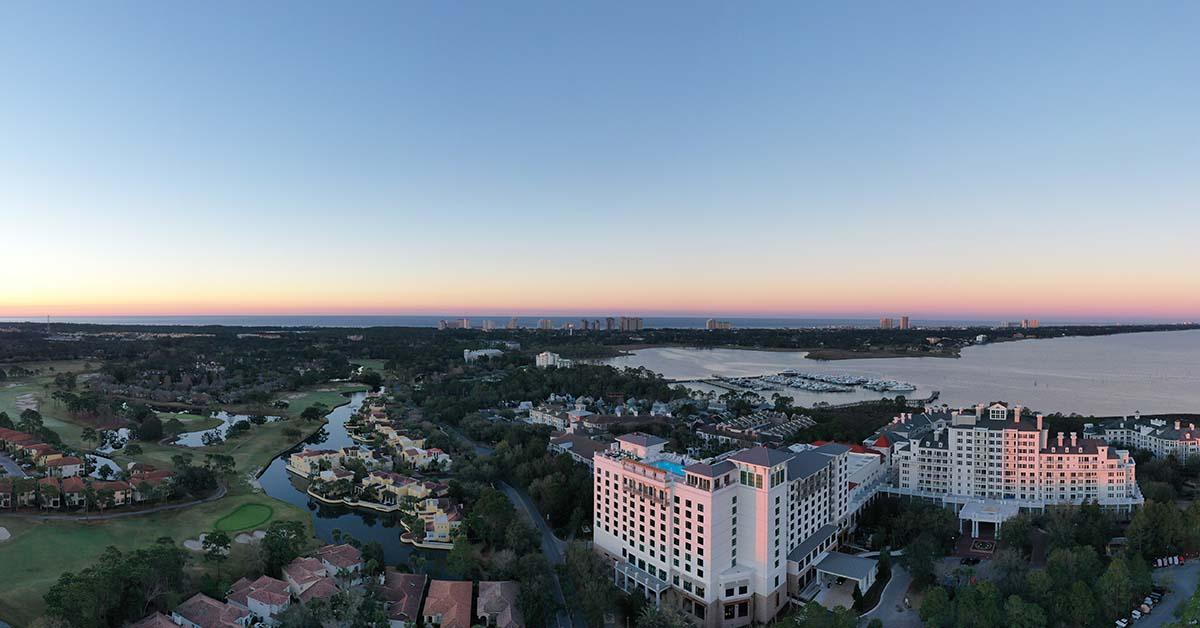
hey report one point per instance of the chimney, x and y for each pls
(1176, 424)
(979, 409)
(1060, 439)
(1073, 439)
(1017, 413)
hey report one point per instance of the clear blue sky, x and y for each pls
(941, 158)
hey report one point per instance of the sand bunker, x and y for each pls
(27, 402)
(4, 535)
(245, 538)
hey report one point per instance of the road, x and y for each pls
(117, 514)
(10, 467)
(892, 599)
(1182, 582)
(552, 548)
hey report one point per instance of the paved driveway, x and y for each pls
(1182, 582)
(891, 601)
(12, 469)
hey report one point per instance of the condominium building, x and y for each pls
(904, 322)
(885, 323)
(1002, 460)
(631, 323)
(728, 541)
(547, 359)
(1160, 436)
(545, 324)
(712, 324)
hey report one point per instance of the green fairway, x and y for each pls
(245, 517)
(39, 552)
(371, 364)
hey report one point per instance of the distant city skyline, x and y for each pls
(937, 159)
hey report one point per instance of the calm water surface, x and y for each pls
(1154, 372)
(362, 525)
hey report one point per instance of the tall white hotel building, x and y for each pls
(724, 542)
(730, 542)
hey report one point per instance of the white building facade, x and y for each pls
(728, 542)
(1161, 437)
(997, 456)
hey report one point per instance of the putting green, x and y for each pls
(244, 517)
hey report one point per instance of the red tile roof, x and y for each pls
(452, 600)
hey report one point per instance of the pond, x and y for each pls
(196, 439)
(362, 525)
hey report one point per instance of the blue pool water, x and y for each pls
(671, 467)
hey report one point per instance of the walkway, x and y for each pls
(105, 516)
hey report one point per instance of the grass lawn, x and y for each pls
(191, 422)
(331, 395)
(40, 551)
(370, 364)
(245, 517)
(54, 416)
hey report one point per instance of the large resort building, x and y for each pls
(1160, 436)
(998, 454)
(731, 540)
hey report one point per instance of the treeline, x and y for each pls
(560, 487)
(453, 398)
(1079, 584)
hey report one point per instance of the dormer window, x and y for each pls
(997, 414)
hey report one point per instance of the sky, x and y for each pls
(940, 159)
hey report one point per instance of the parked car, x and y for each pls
(1121, 623)
(1136, 615)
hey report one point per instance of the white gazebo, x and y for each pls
(991, 511)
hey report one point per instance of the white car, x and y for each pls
(1136, 615)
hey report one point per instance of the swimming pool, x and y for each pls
(668, 466)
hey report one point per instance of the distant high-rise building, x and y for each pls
(489, 325)
(596, 324)
(904, 322)
(631, 323)
(584, 325)
(713, 323)
(512, 323)
(1029, 323)
(545, 323)
(465, 323)
(610, 324)
(885, 323)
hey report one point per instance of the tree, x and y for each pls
(919, 558)
(1021, 614)
(30, 421)
(936, 610)
(216, 549)
(5, 421)
(133, 449)
(281, 545)
(463, 559)
(314, 412)
(594, 589)
(1018, 532)
(979, 605)
(1010, 568)
(151, 428)
(662, 617)
(1081, 606)
(89, 435)
(1115, 589)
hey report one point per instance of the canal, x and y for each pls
(362, 525)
